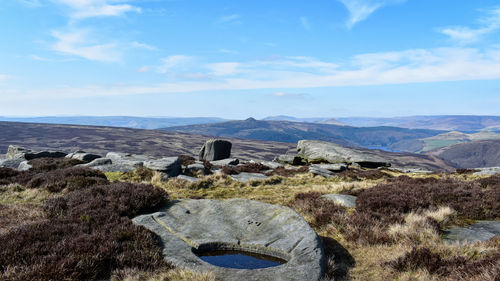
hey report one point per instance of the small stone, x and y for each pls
(331, 167)
(320, 172)
(246, 177)
(187, 178)
(347, 201)
(479, 231)
(226, 162)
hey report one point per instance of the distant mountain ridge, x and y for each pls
(463, 123)
(117, 121)
(288, 131)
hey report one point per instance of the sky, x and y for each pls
(236, 59)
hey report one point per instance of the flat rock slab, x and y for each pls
(246, 177)
(343, 200)
(239, 224)
(321, 151)
(479, 231)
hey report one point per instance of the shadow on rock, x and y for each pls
(339, 260)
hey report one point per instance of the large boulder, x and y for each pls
(215, 149)
(188, 227)
(292, 159)
(479, 231)
(326, 152)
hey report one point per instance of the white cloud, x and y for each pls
(78, 44)
(305, 23)
(287, 95)
(466, 35)
(227, 51)
(400, 67)
(3, 77)
(143, 46)
(229, 19)
(174, 63)
(143, 69)
(359, 10)
(223, 68)
(82, 9)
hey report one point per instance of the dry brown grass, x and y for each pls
(176, 274)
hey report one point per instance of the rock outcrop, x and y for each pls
(187, 226)
(17, 152)
(215, 149)
(326, 152)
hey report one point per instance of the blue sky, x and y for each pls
(237, 59)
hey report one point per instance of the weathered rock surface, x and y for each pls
(83, 156)
(98, 162)
(246, 177)
(320, 172)
(343, 200)
(24, 166)
(170, 166)
(479, 231)
(331, 167)
(11, 163)
(238, 224)
(490, 171)
(17, 152)
(226, 162)
(322, 151)
(215, 149)
(195, 169)
(272, 165)
(291, 159)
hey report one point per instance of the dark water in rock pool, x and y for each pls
(240, 259)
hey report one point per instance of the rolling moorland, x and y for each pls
(63, 221)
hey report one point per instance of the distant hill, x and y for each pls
(474, 154)
(69, 138)
(321, 120)
(286, 131)
(117, 121)
(464, 123)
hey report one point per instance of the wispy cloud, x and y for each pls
(305, 23)
(288, 95)
(401, 67)
(82, 9)
(466, 35)
(143, 69)
(3, 77)
(143, 46)
(359, 10)
(229, 19)
(175, 63)
(77, 43)
(227, 51)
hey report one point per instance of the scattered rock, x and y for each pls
(83, 156)
(11, 163)
(291, 159)
(195, 169)
(225, 162)
(411, 170)
(246, 177)
(170, 166)
(271, 165)
(479, 231)
(97, 162)
(16, 152)
(115, 168)
(320, 172)
(343, 200)
(321, 151)
(187, 178)
(215, 149)
(24, 166)
(330, 167)
(490, 171)
(189, 226)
